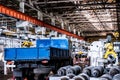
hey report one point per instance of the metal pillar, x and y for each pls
(22, 5)
(62, 24)
(52, 19)
(22, 16)
(74, 31)
(79, 33)
(69, 28)
(40, 15)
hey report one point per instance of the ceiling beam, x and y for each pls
(66, 7)
(52, 2)
(91, 32)
(87, 5)
(22, 16)
(81, 16)
(78, 22)
(84, 4)
(97, 4)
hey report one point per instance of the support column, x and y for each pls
(74, 31)
(62, 24)
(40, 15)
(52, 19)
(22, 6)
(79, 33)
(18, 32)
(69, 28)
(21, 9)
(53, 23)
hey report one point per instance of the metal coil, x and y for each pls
(70, 75)
(85, 76)
(87, 70)
(106, 77)
(62, 70)
(74, 70)
(116, 77)
(78, 78)
(81, 76)
(114, 70)
(97, 71)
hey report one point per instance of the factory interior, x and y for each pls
(59, 39)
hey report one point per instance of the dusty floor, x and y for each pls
(6, 77)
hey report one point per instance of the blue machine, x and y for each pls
(42, 51)
(55, 51)
(56, 43)
(16, 54)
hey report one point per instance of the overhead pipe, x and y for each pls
(22, 16)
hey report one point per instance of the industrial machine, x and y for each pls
(96, 53)
(110, 53)
(104, 52)
(27, 43)
(34, 63)
(104, 58)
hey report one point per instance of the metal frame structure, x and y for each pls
(82, 16)
(22, 16)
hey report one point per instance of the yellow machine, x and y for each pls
(109, 50)
(27, 43)
(80, 52)
(116, 34)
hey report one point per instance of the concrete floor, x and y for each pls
(6, 77)
(58, 78)
(9, 77)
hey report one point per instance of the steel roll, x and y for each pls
(87, 70)
(74, 70)
(78, 78)
(116, 77)
(70, 75)
(62, 70)
(114, 70)
(85, 76)
(106, 77)
(97, 71)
